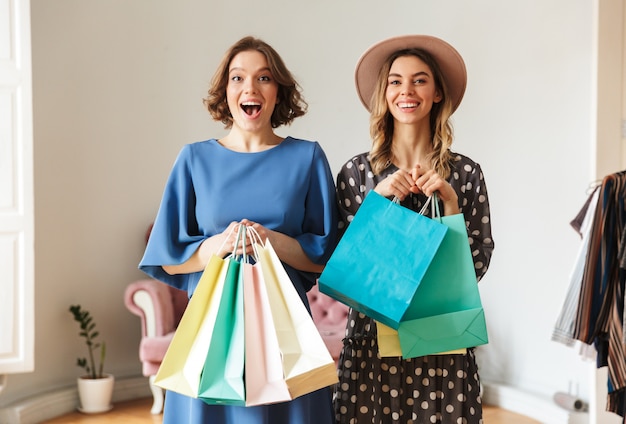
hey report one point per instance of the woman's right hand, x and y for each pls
(221, 244)
(399, 184)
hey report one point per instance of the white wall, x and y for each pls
(118, 88)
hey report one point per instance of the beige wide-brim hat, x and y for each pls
(449, 60)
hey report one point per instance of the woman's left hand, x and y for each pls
(287, 248)
(428, 182)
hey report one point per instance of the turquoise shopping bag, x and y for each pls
(222, 379)
(381, 259)
(446, 312)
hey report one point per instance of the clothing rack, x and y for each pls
(593, 312)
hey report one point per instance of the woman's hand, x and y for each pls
(399, 184)
(220, 244)
(428, 182)
(262, 233)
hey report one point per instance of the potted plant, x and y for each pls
(95, 388)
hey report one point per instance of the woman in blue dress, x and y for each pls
(282, 187)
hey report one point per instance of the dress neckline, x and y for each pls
(269, 149)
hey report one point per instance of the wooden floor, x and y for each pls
(138, 412)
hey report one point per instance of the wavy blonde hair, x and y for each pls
(381, 120)
(291, 102)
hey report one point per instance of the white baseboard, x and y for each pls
(540, 408)
(63, 401)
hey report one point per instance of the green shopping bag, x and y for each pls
(446, 312)
(222, 380)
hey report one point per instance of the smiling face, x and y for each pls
(411, 90)
(251, 92)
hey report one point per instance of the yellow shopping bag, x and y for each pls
(389, 342)
(182, 365)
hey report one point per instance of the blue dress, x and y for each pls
(288, 188)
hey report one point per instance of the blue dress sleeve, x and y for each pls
(319, 231)
(320, 225)
(174, 237)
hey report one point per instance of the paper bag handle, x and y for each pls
(435, 213)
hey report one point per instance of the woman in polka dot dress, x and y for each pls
(411, 85)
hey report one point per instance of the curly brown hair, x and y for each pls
(381, 120)
(291, 103)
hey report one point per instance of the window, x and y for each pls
(16, 190)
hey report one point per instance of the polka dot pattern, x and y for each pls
(438, 389)
(384, 390)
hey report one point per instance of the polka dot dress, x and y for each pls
(430, 389)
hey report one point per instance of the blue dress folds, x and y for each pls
(288, 188)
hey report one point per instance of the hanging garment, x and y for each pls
(599, 318)
(564, 327)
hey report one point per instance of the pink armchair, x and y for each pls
(160, 308)
(330, 317)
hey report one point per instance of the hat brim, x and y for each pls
(449, 60)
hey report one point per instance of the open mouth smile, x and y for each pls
(251, 108)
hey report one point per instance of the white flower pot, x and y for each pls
(95, 394)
